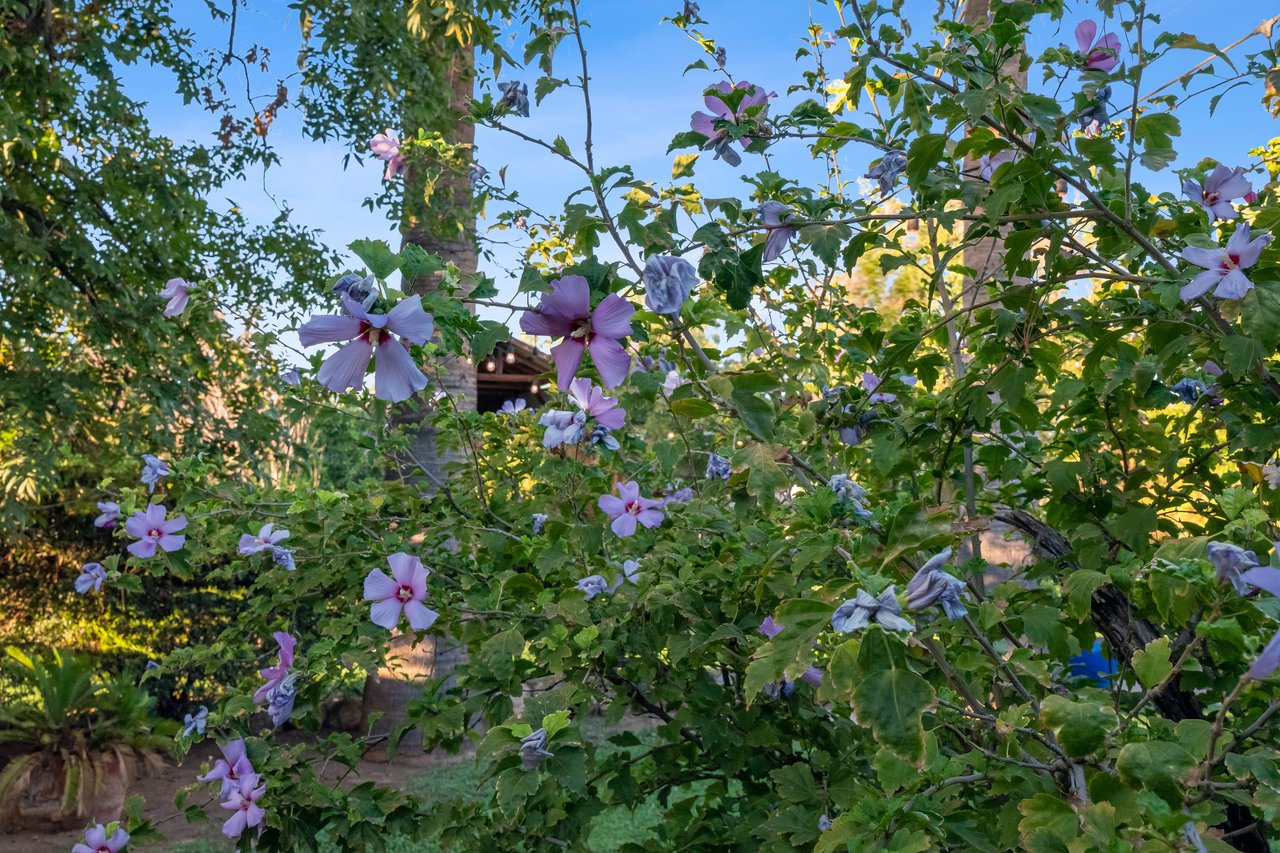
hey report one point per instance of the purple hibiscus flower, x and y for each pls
(243, 801)
(627, 508)
(1265, 578)
(177, 291)
(592, 401)
(754, 105)
(1102, 55)
(403, 592)
(931, 585)
(776, 218)
(515, 97)
(386, 146)
(593, 585)
(871, 382)
(668, 281)
(395, 376)
(96, 841)
(566, 313)
(266, 539)
(1223, 266)
(513, 407)
(153, 530)
(91, 577)
(231, 768)
(278, 691)
(1218, 190)
(630, 574)
(110, 511)
(769, 627)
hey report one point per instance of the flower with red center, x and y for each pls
(266, 539)
(244, 803)
(566, 313)
(1218, 190)
(395, 376)
(627, 508)
(151, 528)
(403, 592)
(753, 104)
(231, 769)
(1223, 266)
(1102, 55)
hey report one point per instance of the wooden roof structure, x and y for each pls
(514, 370)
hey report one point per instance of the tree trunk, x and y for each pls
(441, 221)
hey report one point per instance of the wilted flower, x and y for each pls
(628, 508)
(533, 749)
(386, 146)
(668, 281)
(110, 511)
(231, 768)
(1271, 473)
(275, 675)
(562, 427)
(96, 841)
(770, 628)
(859, 612)
(476, 173)
(291, 378)
(152, 530)
(280, 701)
(513, 407)
(777, 218)
(1102, 55)
(887, 170)
(566, 313)
(1188, 390)
(1229, 561)
(402, 593)
(178, 293)
(515, 96)
(679, 496)
(717, 467)
(721, 57)
(1223, 266)
(538, 519)
(630, 574)
(153, 469)
(267, 537)
(593, 585)
(1098, 111)
(193, 724)
(690, 9)
(932, 585)
(92, 576)
(395, 376)
(847, 491)
(824, 823)
(1218, 190)
(362, 291)
(283, 557)
(715, 127)
(244, 801)
(1265, 578)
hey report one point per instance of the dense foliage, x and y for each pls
(775, 555)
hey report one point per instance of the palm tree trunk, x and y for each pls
(442, 222)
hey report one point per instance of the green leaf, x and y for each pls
(1152, 663)
(555, 722)
(891, 699)
(514, 787)
(415, 263)
(1048, 823)
(923, 157)
(683, 165)
(377, 256)
(756, 412)
(1157, 766)
(915, 528)
(1081, 727)
(490, 335)
(764, 475)
(693, 407)
(561, 147)
(795, 784)
(1081, 585)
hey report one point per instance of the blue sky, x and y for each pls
(641, 99)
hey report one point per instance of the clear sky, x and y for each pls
(642, 98)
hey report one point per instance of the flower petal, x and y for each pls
(346, 367)
(1234, 285)
(624, 525)
(395, 375)
(408, 320)
(386, 613)
(420, 616)
(611, 505)
(611, 360)
(328, 328)
(612, 317)
(377, 586)
(1085, 31)
(1200, 285)
(568, 358)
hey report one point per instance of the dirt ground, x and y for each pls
(159, 789)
